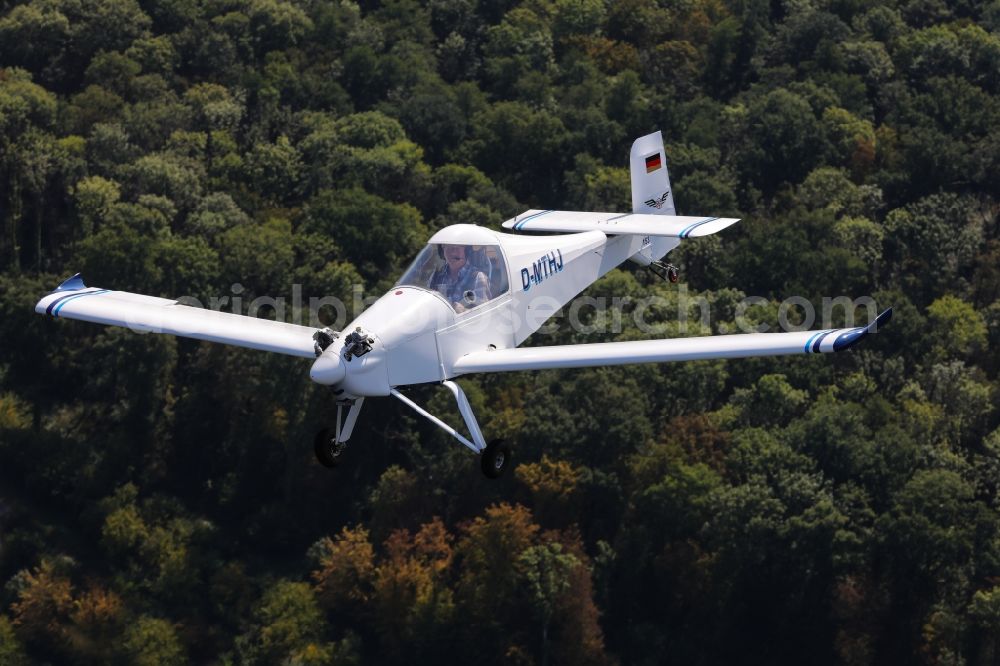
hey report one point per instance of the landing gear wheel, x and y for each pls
(673, 274)
(328, 451)
(495, 458)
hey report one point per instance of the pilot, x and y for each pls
(459, 281)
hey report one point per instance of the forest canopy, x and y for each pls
(158, 498)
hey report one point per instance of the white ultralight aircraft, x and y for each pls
(465, 304)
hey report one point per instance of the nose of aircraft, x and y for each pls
(328, 369)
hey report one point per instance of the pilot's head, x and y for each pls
(456, 256)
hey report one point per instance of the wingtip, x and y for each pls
(72, 284)
(881, 320)
(709, 227)
(853, 337)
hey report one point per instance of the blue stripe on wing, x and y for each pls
(810, 341)
(48, 310)
(520, 225)
(686, 231)
(60, 302)
(819, 340)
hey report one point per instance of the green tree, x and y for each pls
(215, 109)
(274, 170)
(151, 641)
(520, 149)
(966, 400)
(95, 197)
(275, 25)
(396, 502)
(214, 214)
(520, 44)
(957, 330)
(606, 188)
(931, 525)
(862, 237)
(34, 36)
(288, 624)
(25, 108)
(930, 242)
(785, 137)
(578, 17)
(489, 580)
(852, 139)
(109, 149)
(546, 569)
(377, 235)
(123, 530)
(169, 176)
(111, 26)
(116, 72)
(985, 612)
(154, 54)
(677, 63)
(831, 188)
(11, 650)
(261, 255)
(772, 400)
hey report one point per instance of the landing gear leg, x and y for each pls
(329, 445)
(494, 457)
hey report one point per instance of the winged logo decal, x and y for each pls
(657, 203)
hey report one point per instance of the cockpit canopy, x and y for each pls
(465, 275)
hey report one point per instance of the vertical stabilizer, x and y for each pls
(651, 192)
(650, 183)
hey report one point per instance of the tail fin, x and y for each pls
(650, 183)
(651, 193)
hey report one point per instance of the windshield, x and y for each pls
(466, 275)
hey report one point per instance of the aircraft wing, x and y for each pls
(74, 300)
(674, 349)
(562, 221)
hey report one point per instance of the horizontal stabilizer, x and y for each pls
(662, 351)
(564, 221)
(71, 300)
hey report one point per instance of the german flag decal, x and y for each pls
(653, 163)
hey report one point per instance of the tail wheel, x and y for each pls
(495, 459)
(328, 451)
